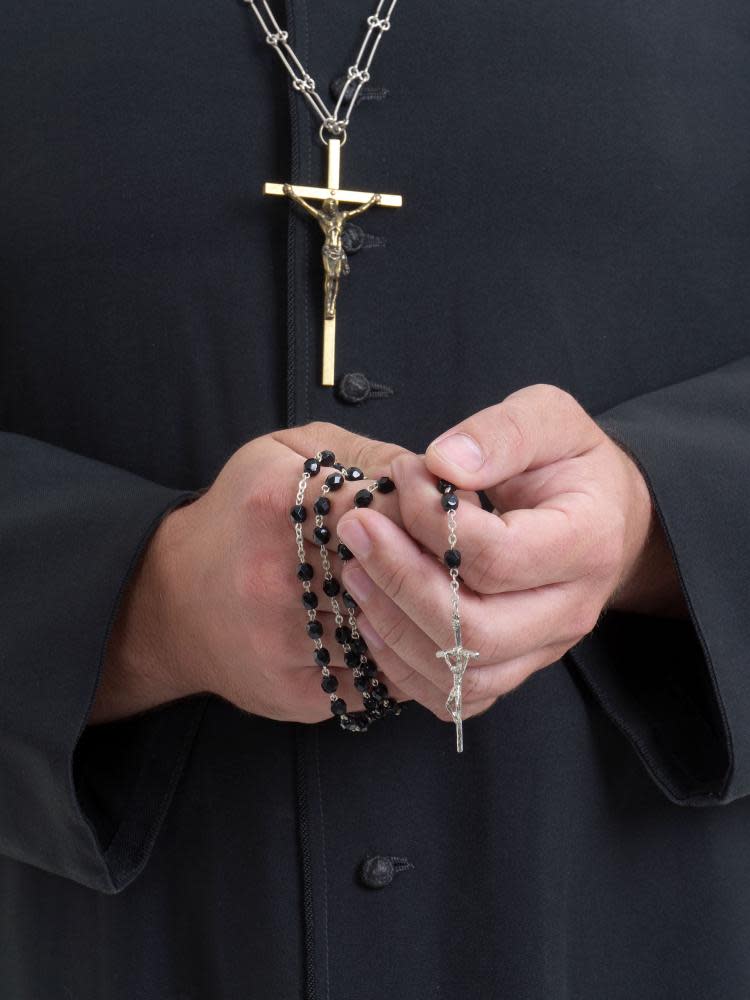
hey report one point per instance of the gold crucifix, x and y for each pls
(332, 219)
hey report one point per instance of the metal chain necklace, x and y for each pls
(330, 216)
(331, 121)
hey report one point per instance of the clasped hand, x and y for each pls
(215, 604)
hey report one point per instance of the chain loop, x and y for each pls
(333, 124)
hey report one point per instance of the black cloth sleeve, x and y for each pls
(71, 532)
(680, 689)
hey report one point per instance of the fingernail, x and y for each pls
(461, 450)
(369, 634)
(353, 534)
(358, 583)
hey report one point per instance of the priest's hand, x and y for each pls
(573, 532)
(215, 604)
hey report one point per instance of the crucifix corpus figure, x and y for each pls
(332, 218)
(457, 659)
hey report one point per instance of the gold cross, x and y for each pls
(332, 219)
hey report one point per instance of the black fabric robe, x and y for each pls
(576, 212)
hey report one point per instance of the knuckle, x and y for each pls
(612, 553)
(264, 504)
(393, 631)
(510, 433)
(557, 397)
(481, 707)
(484, 638)
(258, 582)
(320, 431)
(394, 581)
(442, 713)
(487, 571)
(582, 620)
(478, 685)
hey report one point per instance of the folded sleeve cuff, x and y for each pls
(680, 690)
(71, 533)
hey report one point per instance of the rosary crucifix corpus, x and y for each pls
(331, 217)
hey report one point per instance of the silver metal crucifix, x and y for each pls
(457, 659)
(331, 219)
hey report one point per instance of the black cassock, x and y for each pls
(576, 212)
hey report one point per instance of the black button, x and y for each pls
(367, 92)
(354, 387)
(353, 237)
(377, 872)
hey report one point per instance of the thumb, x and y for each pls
(532, 427)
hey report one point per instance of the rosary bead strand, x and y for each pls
(375, 695)
(374, 692)
(457, 657)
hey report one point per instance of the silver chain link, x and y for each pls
(357, 74)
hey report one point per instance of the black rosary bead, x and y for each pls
(322, 657)
(343, 634)
(355, 722)
(339, 466)
(322, 506)
(443, 486)
(386, 484)
(314, 629)
(449, 501)
(345, 554)
(377, 693)
(391, 707)
(358, 645)
(354, 475)
(329, 683)
(338, 707)
(321, 534)
(331, 587)
(298, 514)
(310, 600)
(312, 465)
(362, 498)
(335, 481)
(368, 667)
(348, 600)
(352, 659)
(327, 458)
(452, 558)
(305, 571)
(362, 683)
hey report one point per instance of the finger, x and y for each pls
(401, 676)
(338, 496)
(499, 626)
(514, 551)
(482, 685)
(399, 647)
(369, 454)
(530, 428)
(410, 578)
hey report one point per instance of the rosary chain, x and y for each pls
(357, 74)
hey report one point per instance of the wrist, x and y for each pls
(650, 583)
(143, 667)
